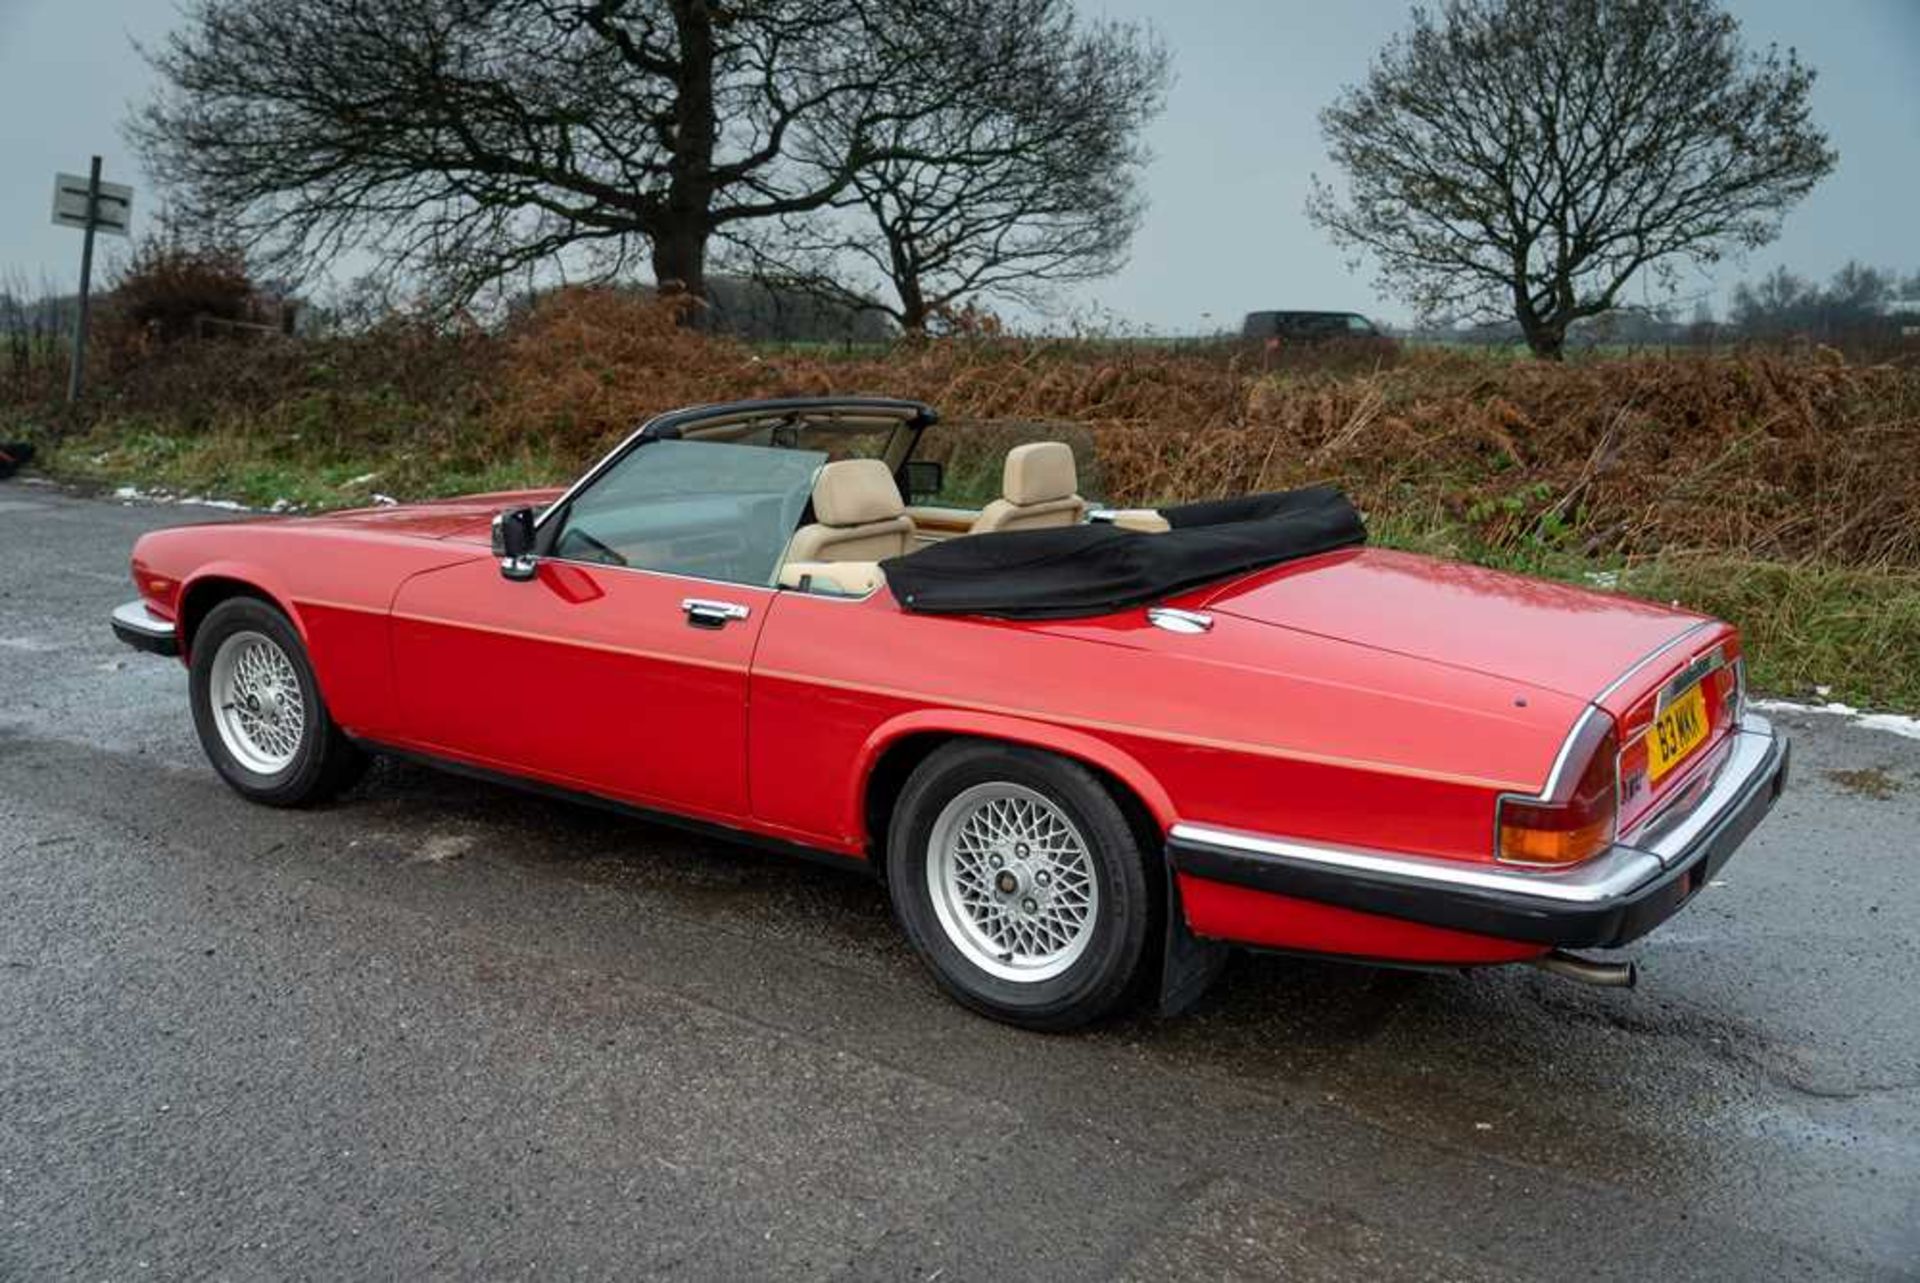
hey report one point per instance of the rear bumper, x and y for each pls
(141, 629)
(1611, 899)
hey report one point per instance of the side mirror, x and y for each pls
(513, 542)
(925, 479)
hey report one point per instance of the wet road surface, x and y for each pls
(442, 1027)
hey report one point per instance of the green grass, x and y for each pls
(291, 471)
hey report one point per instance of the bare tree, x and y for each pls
(471, 139)
(1027, 183)
(1854, 302)
(1530, 157)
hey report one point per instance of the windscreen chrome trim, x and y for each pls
(914, 414)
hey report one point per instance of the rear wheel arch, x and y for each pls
(891, 759)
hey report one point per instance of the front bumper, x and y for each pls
(1609, 900)
(141, 629)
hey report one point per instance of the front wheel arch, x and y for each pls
(199, 596)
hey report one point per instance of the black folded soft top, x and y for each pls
(1098, 568)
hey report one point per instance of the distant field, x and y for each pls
(1780, 490)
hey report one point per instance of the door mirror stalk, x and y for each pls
(513, 543)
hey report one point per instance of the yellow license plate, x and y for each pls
(1677, 732)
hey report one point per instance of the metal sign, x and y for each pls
(113, 207)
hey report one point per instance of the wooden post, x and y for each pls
(86, 282)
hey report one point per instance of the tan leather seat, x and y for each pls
(858, 513)
(1145, 521)
(1038, 488)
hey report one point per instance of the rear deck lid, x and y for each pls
(1553, 636)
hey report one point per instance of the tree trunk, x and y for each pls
(1546, 336)
(913, 309)
(1548, 343)
(906, 281)
(680, 235)
(680, 263)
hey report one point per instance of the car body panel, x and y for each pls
(1463, 616)
(592, 672)
(1292, 729)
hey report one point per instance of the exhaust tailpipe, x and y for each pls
(1608, 975)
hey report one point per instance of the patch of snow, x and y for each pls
(1891, 723)
(134, 494)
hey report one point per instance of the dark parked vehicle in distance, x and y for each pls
(1307, 327)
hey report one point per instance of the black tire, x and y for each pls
(324, 762)
(1127, 908)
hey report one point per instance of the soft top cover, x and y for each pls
(1099, 568)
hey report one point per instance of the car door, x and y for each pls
(620, 666)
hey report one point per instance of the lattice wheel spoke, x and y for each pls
(256, 701)
(1013, 881)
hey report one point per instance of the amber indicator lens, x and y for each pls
(1567, 832)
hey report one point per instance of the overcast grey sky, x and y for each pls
(1225, 232)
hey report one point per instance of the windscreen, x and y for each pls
(713, 510)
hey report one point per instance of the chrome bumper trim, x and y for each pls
(1621, 893)
(137, 626)
(1605, 877)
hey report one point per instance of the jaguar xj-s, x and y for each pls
(1084, 749)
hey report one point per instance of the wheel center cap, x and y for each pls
(1006, 883)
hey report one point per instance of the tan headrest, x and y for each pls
(1039, 473)
(853, 492)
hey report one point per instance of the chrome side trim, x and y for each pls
(1556, 775)
(135, 617)
(1605, 877)
(1175, 620)
(1656, 653)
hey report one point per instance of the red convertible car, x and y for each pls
(1086, 750)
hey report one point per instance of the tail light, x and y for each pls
(1570, 824)
(1733, 690)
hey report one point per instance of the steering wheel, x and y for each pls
(606, 553)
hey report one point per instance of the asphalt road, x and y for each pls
(443, 1028)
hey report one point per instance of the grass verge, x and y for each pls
(1854, 632)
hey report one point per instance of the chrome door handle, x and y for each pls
(702, 613)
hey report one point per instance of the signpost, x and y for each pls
(93, 206)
